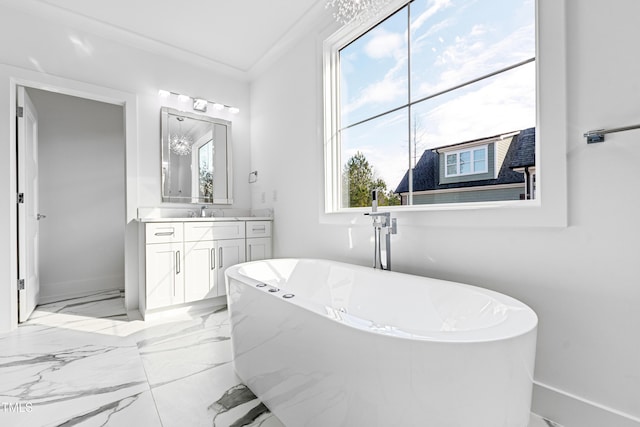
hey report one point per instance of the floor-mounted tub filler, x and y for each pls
(323, 343)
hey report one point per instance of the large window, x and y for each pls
(432, 75)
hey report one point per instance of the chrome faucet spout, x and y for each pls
(380, 219)
(382, 223)
(202, 211)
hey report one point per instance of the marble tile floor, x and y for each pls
(82, 362)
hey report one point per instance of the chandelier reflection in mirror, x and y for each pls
(180, 143)
(347, 11)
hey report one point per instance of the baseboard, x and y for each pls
(572, 411)
(52, 292)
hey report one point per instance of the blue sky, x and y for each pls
(452, 41)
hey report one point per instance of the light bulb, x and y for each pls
(200, 104)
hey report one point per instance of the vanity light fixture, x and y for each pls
(199, 104)
(347, 11)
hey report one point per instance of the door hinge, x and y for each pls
(19, 111)
(21, 284)
(20, 197)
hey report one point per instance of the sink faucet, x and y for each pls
(382, 224)
(202, 211)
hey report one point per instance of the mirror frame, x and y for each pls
(164, 135)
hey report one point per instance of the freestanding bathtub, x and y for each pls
(327, 344)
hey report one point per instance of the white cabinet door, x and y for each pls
(164, 274)
(230, 252)
(258, 248)
(199, 270)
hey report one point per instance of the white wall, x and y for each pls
(582, 280)
(81, 56)
(46, 51)
(82, 193)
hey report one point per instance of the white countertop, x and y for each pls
(208, 219)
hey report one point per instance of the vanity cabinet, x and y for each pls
(164, 255)
(186, 261)
(204, 265)
(258, 240)
(211, 247)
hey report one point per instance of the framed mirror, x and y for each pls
(196, 158)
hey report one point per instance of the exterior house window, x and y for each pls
(467, 162)
(430, 74)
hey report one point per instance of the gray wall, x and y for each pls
(82, 193)
(469, 196)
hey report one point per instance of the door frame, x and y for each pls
(33, 79)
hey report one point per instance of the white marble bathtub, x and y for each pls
(361, 347)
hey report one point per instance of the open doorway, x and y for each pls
(80, 191)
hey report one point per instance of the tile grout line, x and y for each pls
(146, 375)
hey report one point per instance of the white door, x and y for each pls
(230, 252)
(164, 275)
(199, 270)
(28, 215)
(258, 248)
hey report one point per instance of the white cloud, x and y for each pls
(469, 57)
(385, 44)
(434, 7)
(392, 86)
(384, 91)
(478, 30)
(504, 104)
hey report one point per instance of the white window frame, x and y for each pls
(471, 150)
(549, 209)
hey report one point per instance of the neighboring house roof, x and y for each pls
(426, 174)
(525, 151)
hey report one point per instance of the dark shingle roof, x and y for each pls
(525, 152)
(426, 173)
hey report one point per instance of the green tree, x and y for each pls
(360, 180)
